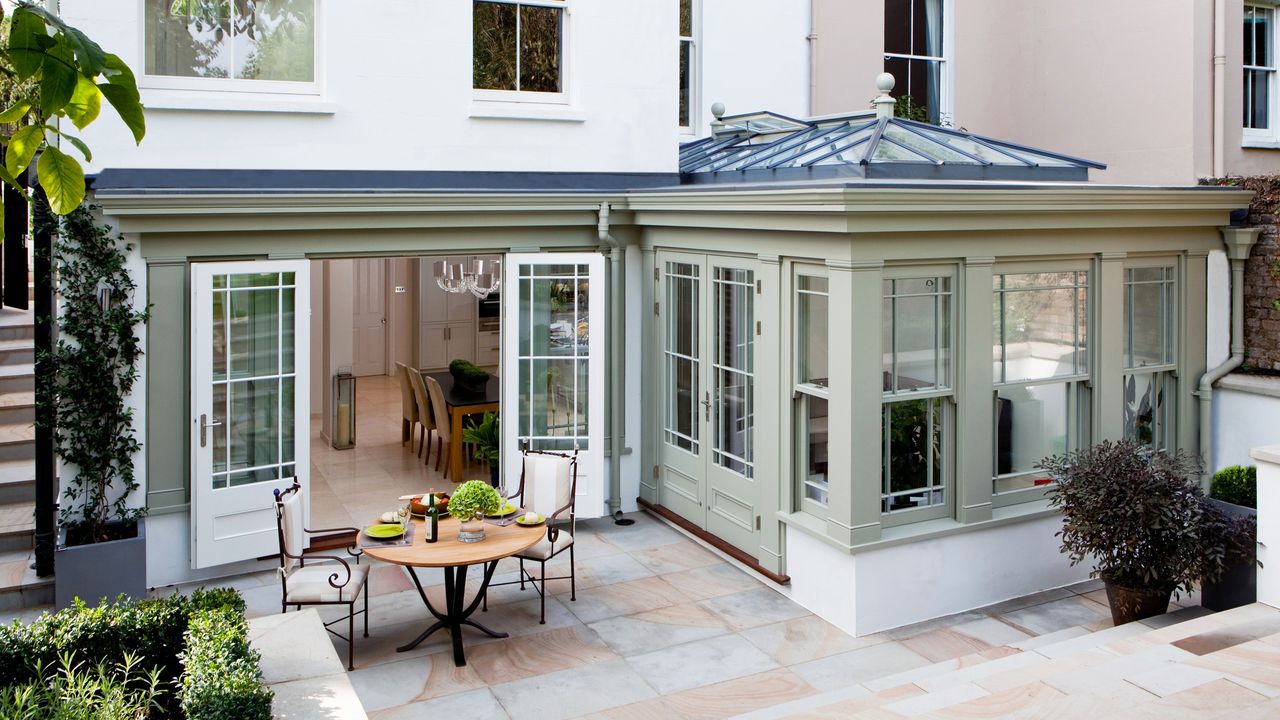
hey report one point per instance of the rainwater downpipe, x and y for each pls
(1219, 87)
(1238, 241)
(617, 366)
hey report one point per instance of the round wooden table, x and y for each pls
(455, 557)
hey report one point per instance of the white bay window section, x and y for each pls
(1259, 65)
(918, 405)
(1150, 383)
(267, 46)
(811, 387)
(1041, 375)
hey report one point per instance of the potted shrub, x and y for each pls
(101, 551)
(470, 503)
(1234, 497)
(467, 377)
(1139, 517)
(487, 440)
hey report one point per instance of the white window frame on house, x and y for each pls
(530, 96)
(1160, 373)
(694, 79)
(945, 60)
(804, 392)
(935, 497)
(171, 86)
(1269, 136)
(1076, 385)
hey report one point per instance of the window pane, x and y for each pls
(812, 422)
(188, 39)
(493, 46)
(897, 26)
(275, 40)
(1031, 423)
(685, 49)
(1040, 326)
(1257, 98)
(686, 18)
(1148, 317)
(539, 49)
(912, 470)
(734, 348)
(683, 362)
(812, 331)
(1148, 409)
(917, 88)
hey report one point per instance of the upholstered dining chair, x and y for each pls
(444, 435)
(408, 405)
(549, 487)
(426, 418)
(331, 581)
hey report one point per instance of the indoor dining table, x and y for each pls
(455, 557)
(461, 404)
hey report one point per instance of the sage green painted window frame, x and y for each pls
(1079, 386)
(1164, 374)
(802, 393)
(944, 390)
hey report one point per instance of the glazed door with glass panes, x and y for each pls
(250, 406)
(553, 367)
(707, 333)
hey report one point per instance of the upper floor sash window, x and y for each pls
(246, 43)
(518, 46)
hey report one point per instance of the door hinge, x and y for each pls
(757, 327)
(759, 286)
(655, 273)
(655, 472)
(655, 308)
(757, 522)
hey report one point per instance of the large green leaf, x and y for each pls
(91, 55)
(62, 179)
(127, 107)
(80, 144)
(22, 147)
(86, 102)
(57, 78)
(26, 52)
(15, 113)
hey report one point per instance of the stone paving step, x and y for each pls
(17, 378)
(17, 481)
(1130, 666)
(17, 441)
(17, 523)
(20, 351)
(19, 586)
(18, 406)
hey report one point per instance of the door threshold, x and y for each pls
(714, 541)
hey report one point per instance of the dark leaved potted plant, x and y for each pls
(1234, 497)
(486, 438)
(1140, 518)
(467, 377)
(101, 551)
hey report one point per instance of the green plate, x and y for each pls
(530, 523)
(384, 531)
(505, 511)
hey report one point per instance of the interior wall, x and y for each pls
(336, 353)
(402, 310)
(318, 293)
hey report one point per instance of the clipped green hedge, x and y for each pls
(157, 632)
(1236, 485)
(222, 681)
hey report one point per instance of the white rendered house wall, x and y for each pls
(394, 92)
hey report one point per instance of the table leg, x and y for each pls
(457, 612)
(455, 445)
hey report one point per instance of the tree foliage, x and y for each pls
(53, 72)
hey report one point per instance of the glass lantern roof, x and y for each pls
(765, 146)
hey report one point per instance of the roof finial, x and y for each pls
(884, 104)
(717, 111)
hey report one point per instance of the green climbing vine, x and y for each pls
(94, 367)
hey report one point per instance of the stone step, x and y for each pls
(17, 525)
(18, 351)
(16, 324)
(19, 586)
(1138, 662)
(17, 441)
(18, 407)
(17, 480)
(17, 378)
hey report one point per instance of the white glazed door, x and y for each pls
(250, 426)
(553, 344)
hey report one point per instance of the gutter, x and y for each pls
(1219, 87)
(617, 366)
(1238, 241)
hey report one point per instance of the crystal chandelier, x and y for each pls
(480, 279)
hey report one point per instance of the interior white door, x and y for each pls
(250, 430)
(369, 318)
(553, 366)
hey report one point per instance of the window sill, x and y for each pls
(205, 101)
(1260, 144)
(920, 531)
(499, 110)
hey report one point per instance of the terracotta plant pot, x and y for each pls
(1130, 604)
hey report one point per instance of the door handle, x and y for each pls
(706, 404)
(205, 425)
(384, 321)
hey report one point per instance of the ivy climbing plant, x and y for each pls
(95, 366)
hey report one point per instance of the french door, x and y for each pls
(707, 327)
(250, 426)
(553, 365)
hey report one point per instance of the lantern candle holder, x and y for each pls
(343, 411)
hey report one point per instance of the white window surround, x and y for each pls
(528, 105)
(1268, 138)
(946, 63)
(695, 69)
(170, 92)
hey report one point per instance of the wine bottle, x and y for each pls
(433, 516)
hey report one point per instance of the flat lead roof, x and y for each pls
(764, 147)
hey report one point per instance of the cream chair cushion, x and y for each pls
(544, 549)
(291, 524)
(547, 483)
(310, 584)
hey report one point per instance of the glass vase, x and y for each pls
(472, 529)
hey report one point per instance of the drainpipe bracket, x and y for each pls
(1239, 241)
